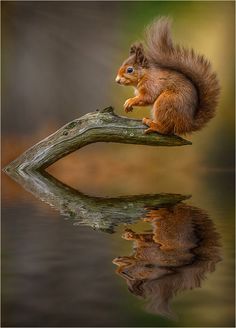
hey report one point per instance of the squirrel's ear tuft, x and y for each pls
(133, 49)
(140, 58)
(138, 51)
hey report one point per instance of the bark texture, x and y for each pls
(100, 126)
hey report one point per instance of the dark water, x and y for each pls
(146, 260)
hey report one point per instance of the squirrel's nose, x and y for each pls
(118, 79)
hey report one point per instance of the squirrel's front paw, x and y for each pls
(128, 105)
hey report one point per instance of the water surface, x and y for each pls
(146, 260)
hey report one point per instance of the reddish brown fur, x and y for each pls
(178, 83)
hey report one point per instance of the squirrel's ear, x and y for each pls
(140, 56)
(138, 50)
(133, 49)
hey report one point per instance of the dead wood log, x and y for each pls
(100, 126)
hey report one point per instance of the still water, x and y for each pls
(159, 259)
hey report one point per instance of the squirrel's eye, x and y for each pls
(130, 70)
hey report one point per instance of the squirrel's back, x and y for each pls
(162, 53)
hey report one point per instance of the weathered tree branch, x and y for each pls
(100, 126)
(100, 213)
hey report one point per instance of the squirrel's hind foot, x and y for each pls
(150, 130)
(153, 127)
(146, 121)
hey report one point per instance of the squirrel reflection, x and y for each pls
(174, 257)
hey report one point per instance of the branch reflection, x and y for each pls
(181, 248)
(100, 213)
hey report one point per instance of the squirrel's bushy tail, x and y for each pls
(161, 52)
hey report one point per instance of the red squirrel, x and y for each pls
(178, 83)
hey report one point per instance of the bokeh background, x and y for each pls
(59, 61)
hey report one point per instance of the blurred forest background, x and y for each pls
(59, 61)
